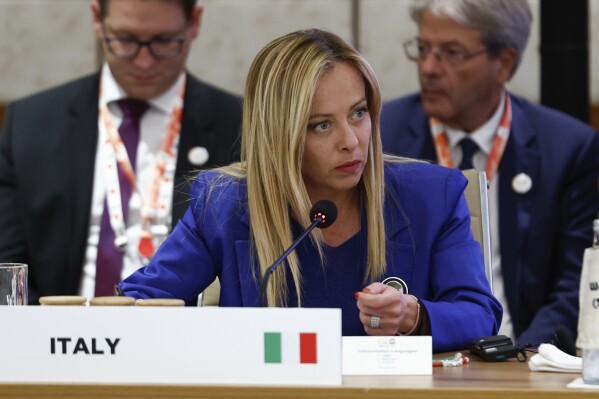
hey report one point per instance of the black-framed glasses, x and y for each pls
(160, 48)
(418, 51)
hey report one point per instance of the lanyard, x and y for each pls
(156, 203)
(442, 142)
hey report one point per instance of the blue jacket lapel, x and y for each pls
(401, 258)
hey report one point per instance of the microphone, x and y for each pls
(564, 341)
(323, 214)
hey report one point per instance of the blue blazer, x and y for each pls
(430, 246)
(544, 232)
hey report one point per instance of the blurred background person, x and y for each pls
(92, 173)
(543, 164)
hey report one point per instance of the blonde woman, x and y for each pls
(310, 132)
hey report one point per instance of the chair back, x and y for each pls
(477, 197)
(211, 295)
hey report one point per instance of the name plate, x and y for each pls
(399, 355)
(218, 346)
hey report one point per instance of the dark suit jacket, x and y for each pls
(544, 232)
(47, 154)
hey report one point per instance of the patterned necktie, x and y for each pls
(109, 262)
(469, 147)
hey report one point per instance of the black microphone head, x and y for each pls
(324, 210)
(564, 341)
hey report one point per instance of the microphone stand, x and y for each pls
(264, 285)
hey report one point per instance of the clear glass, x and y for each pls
(590, 366)
(161, 47)
(129, 48)
(13, 284)
(590, 357)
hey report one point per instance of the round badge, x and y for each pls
(521, 183)
(198, 156)
(396, 283)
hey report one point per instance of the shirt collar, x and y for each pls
(111, 92)
(484, 135)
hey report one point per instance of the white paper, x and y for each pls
(394, 355)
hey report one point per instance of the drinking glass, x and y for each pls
(13, 284)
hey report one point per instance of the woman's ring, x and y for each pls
(375, 322)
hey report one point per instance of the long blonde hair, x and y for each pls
(278, 98)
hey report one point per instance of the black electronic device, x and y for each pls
(496, 348)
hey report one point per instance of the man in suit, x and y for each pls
(93, 174)
(543, 165)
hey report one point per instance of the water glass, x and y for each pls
(13, 284)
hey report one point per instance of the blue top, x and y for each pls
(333, 284)
(429, 246)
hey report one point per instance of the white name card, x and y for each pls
(221, 346)
(388, 355)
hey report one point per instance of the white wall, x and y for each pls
(46, 42)
(233, 31)
(43, 43)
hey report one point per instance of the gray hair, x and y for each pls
(501, 23)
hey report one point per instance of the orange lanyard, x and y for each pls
(157, 203)
(503, 132)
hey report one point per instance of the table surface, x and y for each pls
(478, 379)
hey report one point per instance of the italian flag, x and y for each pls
(290, 347)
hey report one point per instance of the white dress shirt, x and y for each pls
(153, 127)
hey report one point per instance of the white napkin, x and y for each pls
(550, 358)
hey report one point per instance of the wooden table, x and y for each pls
(509, 379)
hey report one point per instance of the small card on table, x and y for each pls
(393, 355)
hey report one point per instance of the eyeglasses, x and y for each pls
(418, 51)
(160, 47)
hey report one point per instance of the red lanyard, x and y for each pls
(157, 202)
(442, 142)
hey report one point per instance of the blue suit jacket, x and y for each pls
(430, 246)
(544, 232)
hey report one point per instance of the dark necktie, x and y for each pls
(469, 147)
(109, 262)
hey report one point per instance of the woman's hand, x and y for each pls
(397, 312)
